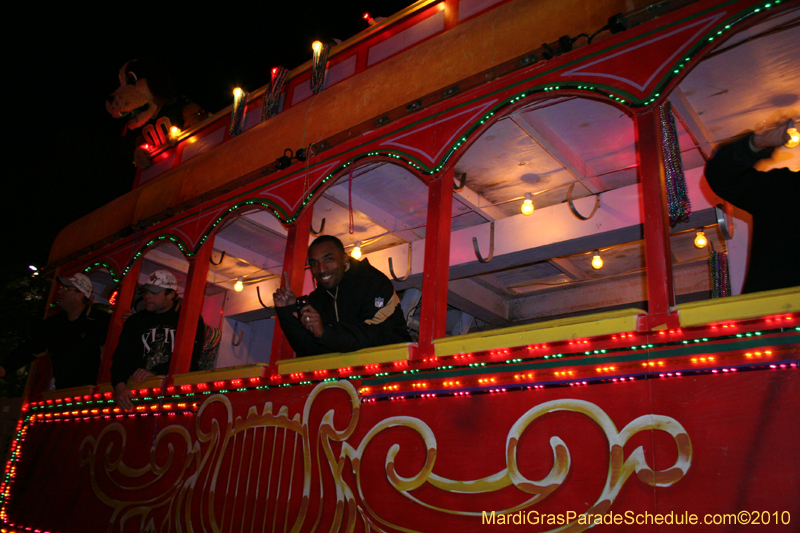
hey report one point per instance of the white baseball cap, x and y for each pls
(78, 281)
(160, 280)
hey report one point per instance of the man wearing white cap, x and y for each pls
(74, 338)
(148, 337)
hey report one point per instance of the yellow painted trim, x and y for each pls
(619, 321)
(739, 307)
(221, 374)
(367, 356)
(68, 393)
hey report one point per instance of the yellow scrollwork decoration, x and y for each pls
(270, 458)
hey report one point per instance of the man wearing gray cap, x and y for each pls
(147, 338)
(74, 338)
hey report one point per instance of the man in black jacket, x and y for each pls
(148, 337)
(770, 197)
(354, 305)
(74, 338)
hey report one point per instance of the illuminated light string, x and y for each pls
(103, 264)
(371, 398)
(239, 385)
(165, 237)
(242, 385)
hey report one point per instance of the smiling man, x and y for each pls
(147, 338)
(354, 305)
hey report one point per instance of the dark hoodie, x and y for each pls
(361, 312)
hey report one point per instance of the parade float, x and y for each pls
(530, 175)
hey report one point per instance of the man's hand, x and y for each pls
(141, 374)
(123, 396)
(284, 295)
(311, 320)
(773, 137)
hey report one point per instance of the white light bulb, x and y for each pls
(794, 138)
(597, 261)
(527, 205)
(239, 285)
(356, 253)
(700, 241)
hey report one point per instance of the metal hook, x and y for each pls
(321, 228)
(575, 211)
(408, 268)
(237, 342)
(725, 220)
(258, 293)
(491, 245)
(458, 184)
(221, 257)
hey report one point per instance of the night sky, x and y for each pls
(66, 156)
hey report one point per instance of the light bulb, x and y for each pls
(597, 261)
(237, 92)
(316, 46)
(795, 138)
(527, 205)
(356, 253)
(239, 285)
(700, 240)
(174, 131)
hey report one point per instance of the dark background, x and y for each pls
(60, 63)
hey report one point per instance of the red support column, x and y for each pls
(450, 14)
(433, 313)
(294, 264)
(124, 300)
(192, 305)
(658, 257)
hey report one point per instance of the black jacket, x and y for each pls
(771, 197)
(363, 311)
(74, 346)
(146, 341)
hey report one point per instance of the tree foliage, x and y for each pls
(22, 308)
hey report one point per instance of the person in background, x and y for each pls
(354, 305)
(770, 197)
(74, 337)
